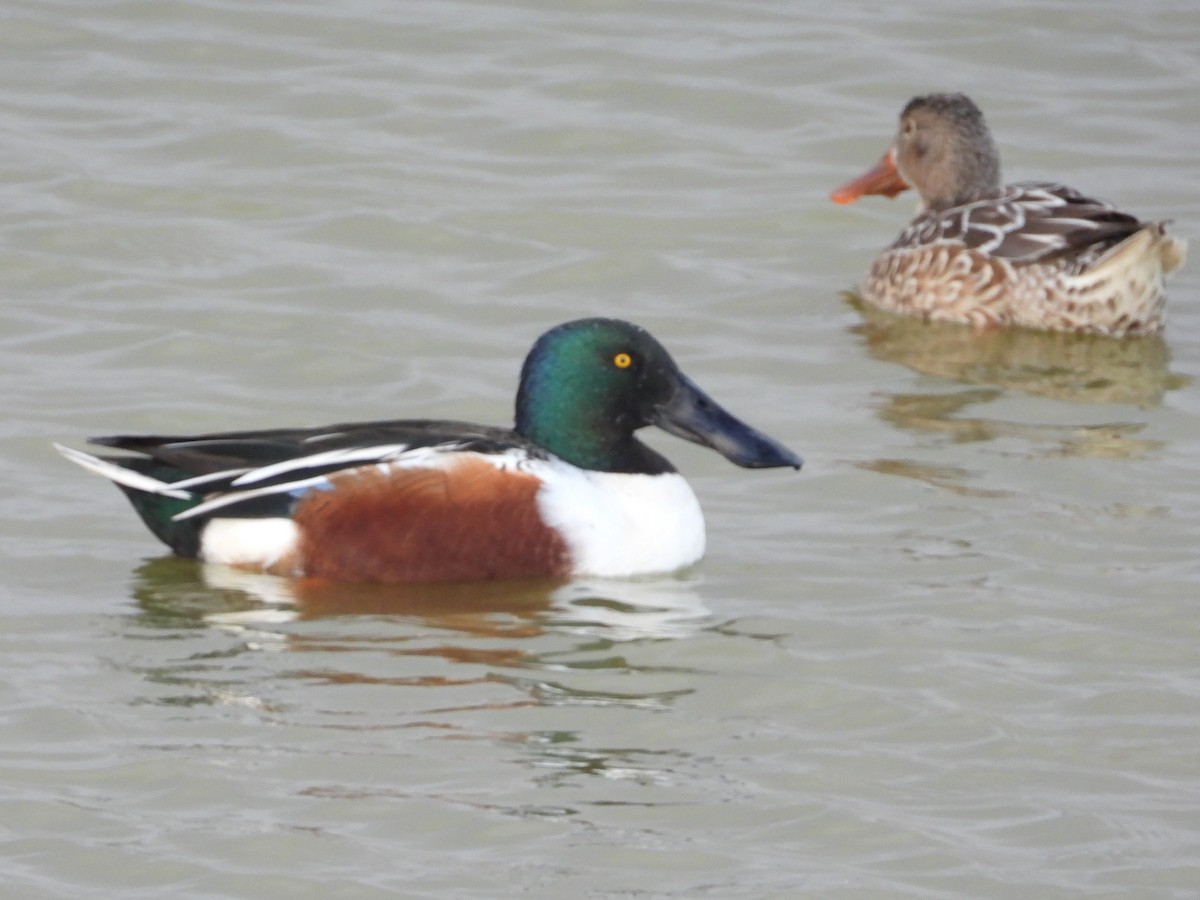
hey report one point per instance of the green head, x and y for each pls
(588, 385)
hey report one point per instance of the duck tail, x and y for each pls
(147, 484)
(1171, 250)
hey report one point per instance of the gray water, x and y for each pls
(957, 656)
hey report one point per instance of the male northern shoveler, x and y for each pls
(568, 491)
(1031, 254)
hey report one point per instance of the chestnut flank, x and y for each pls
(467, 522)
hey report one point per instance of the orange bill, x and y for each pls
(883, 178)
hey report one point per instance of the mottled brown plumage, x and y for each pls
(1038, 255)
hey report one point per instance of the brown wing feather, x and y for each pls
(1026, 223)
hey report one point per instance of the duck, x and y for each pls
(1033, 254)
(568, 491)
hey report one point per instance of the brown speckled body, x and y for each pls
(1033, 255)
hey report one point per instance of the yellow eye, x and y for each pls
(622, 360)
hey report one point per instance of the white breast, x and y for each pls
(620, 525)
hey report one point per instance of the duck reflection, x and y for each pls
(615, 609)
(178, 593)
(519, 665)
(1076, 368)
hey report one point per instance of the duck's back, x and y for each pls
(1040, 255)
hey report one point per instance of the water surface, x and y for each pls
(956, 656)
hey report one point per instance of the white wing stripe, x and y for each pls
(327, 457)
(201, 480)
(222, 500)
(121, 475)
(396, 454)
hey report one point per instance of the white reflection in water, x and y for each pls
(617, 610)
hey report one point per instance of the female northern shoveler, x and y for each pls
(1032, 254)
(568, 491)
